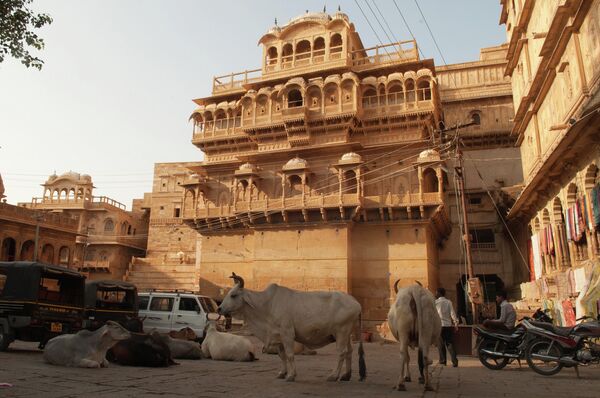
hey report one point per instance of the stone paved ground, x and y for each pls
(23, 367)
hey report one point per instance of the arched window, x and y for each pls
(302, 52)
(55, 195)
(335, 45)
(9, 250)
(430, 181)
(313, 95)
(424, 90)
(395, 93)
(109, 225)
(72, 194)
(349, 182)
(47, 254)
(410, 91)
(369, 98)
(295, 99)
(319, 50)
(287, 55)
(331, 94)
(220, 119)
(80, 194)
(295, 185)
(271, 56)
(476, 117)
(27, 249)
(63, 255)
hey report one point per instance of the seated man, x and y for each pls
(508, 316)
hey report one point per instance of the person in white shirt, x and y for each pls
(449, 326)
(508, 315)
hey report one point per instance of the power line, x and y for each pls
(377, 19)
(408, 27)
(430, 32)
(372, 28)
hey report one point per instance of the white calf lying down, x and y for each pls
(225, 346)
(85, 349)
(182, 349)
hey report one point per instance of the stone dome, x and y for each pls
(429, 155)
(351, 157)
(296, 163)
(247, 167)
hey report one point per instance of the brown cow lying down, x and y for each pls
(182, 349)
(84, 349)
(184, 334)
(299, 349)
(141, 350)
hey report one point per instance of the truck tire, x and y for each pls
(4, 339)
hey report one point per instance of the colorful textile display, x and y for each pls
(595, 204)
(537, 256)
(568, 313)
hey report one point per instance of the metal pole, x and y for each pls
(466, 236)
(37, 237)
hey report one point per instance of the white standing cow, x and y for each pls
(223, 346)
(279, 316)
(414, 322)
(85, 349)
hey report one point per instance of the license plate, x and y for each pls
(56, 327)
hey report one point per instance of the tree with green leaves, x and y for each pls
(17, 24)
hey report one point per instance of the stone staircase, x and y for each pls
(147, 275)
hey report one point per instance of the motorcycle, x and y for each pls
(554, 347)
(498, 348)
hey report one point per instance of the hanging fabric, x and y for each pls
(537, 257)
(596, 205)
(568, 313)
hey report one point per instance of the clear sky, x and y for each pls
(114, 95)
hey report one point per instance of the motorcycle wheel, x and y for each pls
(491, 362)
(546, 348)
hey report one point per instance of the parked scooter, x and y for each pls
(497, 348)
(554, 347)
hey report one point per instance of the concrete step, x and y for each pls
(164, 267)
(156, 274)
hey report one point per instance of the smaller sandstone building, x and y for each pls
(56, 234)
(108, 235)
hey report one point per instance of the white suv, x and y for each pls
(166, 311)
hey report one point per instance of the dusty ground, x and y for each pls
(23, 367)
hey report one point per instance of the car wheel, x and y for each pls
(4, 339)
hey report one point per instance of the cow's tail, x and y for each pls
(419, 307)
(362, 366)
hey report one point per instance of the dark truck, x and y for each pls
(108, 300)
(39, 301)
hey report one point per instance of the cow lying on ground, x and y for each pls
(225, 346)
(182, 349)
(279, 316)
(141, 350)
(299, 349)
(414, 322)
(85, 349)
(184, 334)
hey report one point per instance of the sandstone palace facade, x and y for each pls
(326, 169)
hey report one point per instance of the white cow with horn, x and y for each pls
(414, 322)
(279, 316)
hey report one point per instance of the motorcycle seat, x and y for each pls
(559, 330)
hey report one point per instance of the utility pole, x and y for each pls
(38, 218)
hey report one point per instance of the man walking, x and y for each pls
(449, 326)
